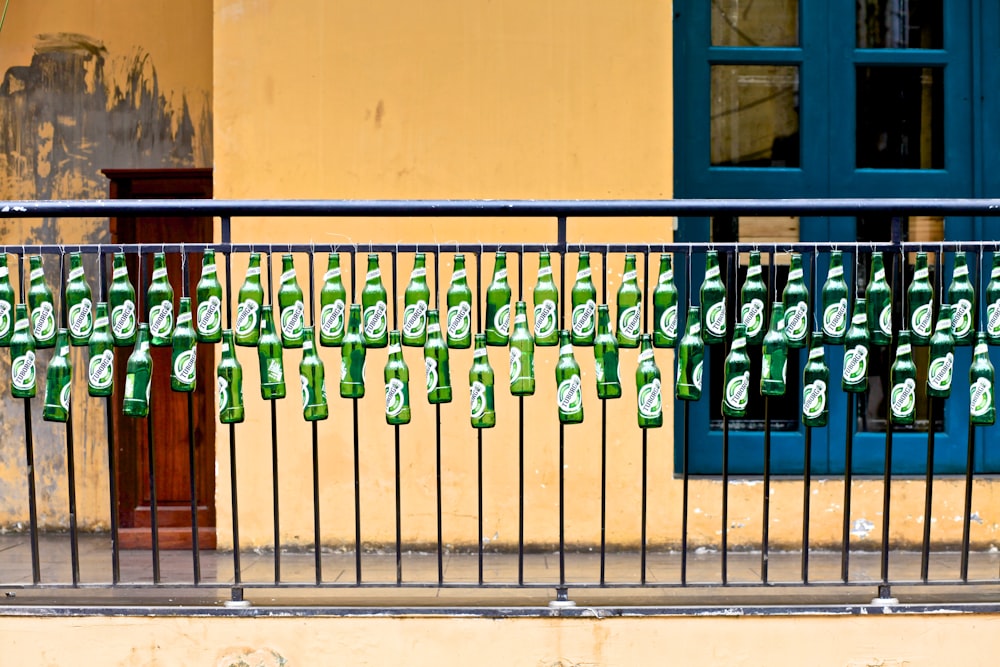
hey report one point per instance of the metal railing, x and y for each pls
(680, 553)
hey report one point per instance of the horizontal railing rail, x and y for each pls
(673, 555)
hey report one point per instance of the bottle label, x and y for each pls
(903, 349)
(961, 318)
(696, 376)
(375, 320)
(885, 319)
(711, 272)
(433, 328)
(76, 274)
(307, 344)
(920, 320)
(835, 319)
(879, 276)
(123, 319)
(159, 274)
(479, 353)
(275, 371)
(903, 398)
(992, 319)
(431, 373)
(515, 364)
(119, 273)
(184, 366)
(645, 355)
(995, 273)
(565, 349)
(374, 274)
(459, 320)
(981, 397)
(4, 272)
(98, 323)
(629, 276)
(855, 364)
(521, 318)
(796, 321)
(545, 318)
(860, 318)
(246, 317)
(81, 318)
(650, 400)
(940, 371)
(816, 352)
(835, 272)
(739, 343)
(415, 319)
(22, 371)
(183, 318)
(223, 393)
(288, 276)
(253, 271)
(501, 321)
(291, 320)
(544, 271)
(6, 315)
(100, 370)
(583, 274)
(477, 399)
(715, 319)
(331, 319)
(921, 274)
(418, 272)
(752, 316)
(36, 274)
(395, 400)
(795, 274)
(629, 322)
(500, 275)
(753, 270)
(695, 328)
(569, 395)
(458, 274)
(394, 348)
(331, 274)
(668, 322)
(814, 399)
(583, 318)
(981, 348)
(43, 322)
(666, 277)
(161, 319)
(962, 270)
(738, 391)
(210, 316)
(64, 395)
(209, 270)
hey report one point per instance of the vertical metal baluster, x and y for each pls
(479, 431)
(275, 501)
(399, 504)
(686, 445)
(925, 547)
(725, 465)
(74, 540)
(845, 553)
(154, 522)
(807, 458)
(29, 447)
(887, 468)
(356, 452)
(970, 456)
(765, 521)
(562, 427)
(520, 433)
(192, 458)
(645, 432)
(437, 431)
(314, 425)
(237, 570)
(112, 455)
(604, 438)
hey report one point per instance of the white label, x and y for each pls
(795, 274)
(479, 353)
(500, 275)
(754, 270)
(544, 271)
(650, 401)
(629, 323)
(629, 276)
(855, 364)
(209, 270)
(737, 392)
(331, 274)
(981, 397)
(37, 273)
(433, 328)
(569, 395)
(666, 277)
(903, 349)
(814, 399)
(939, 373)
(458, 275)
(712, 272)
(903, 398)
(419, 272)
(545, 318)
(962, 270)
(374, 274)
(566, 349)
(288, 276)
(583, 274)
(253, 271)
(836, 272)
(583, 318)
(75, 274)
(921, 274)
(159, 273)
(119, 273)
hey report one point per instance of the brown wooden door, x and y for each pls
(169, 411)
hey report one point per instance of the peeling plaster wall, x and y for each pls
(88, 86)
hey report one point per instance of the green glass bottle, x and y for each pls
(352, 357)
(397, 383)
(690, 358)
(374, 309)
(834, 296)
(184, 350)
(312, 377)
(43, 312)
(736, 389)
(629, 306)
(546, 302)
(270, 357)
(58, 381)
(498, 304)
(416, 299)
(250, 299)
(79, 302)
(982, 399)
(920, 301)
(101, 346)
(816, 385)
(753, 297)
(22, 355)
(941, 365)
(665, 305)
(903, 380)
(459, 299)
(291, 308)
(333, 305)
(121, 300)
(795, 299)
(774, 363)
(522, 354)
(713, 302)
(992, 303)
(229, 375)
(569, 388)
(962, 297)
(856, 347)
(647, 384)
(160, 304)
(584, 301)
(209, 293)
(607, 367)
(482, 413)
(437, 371)
(878, 297)
(138, 373)
(7, 302)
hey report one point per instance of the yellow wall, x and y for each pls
(837, 641)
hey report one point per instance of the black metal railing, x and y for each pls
(340, 562)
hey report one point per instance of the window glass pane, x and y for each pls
(871, 409)
(899, 24)
(755, 23)
(900, 118)
(755, 115)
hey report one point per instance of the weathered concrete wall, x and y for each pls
(87, 86)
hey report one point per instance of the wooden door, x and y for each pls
(169, 411)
